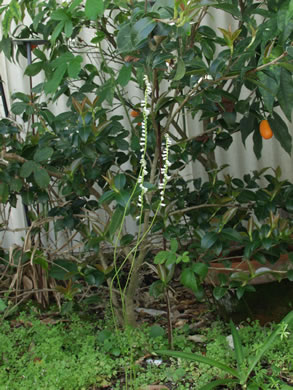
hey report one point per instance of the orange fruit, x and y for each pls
(265, 129)
(134, 113)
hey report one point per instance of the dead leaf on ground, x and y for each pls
(197, 338)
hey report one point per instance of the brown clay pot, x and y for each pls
(266, 271)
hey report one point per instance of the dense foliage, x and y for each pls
(77, 171)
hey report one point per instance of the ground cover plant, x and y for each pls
(46, 351)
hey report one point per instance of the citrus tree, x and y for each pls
(130, 72)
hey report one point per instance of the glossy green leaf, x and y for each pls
(180, 70)
(94, 9)
(142, 28)
(107, 197)
(219, 292)
(257, 144)
(272, 86)
(285, 94)
(281, 132)
(120, 181)
(34, 68)
(247, 126)
(124, 42)
(209, 240)
(84, 133)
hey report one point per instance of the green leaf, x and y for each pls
(62, 269)
(247, 125)
(199, 358)
(161, 257)
(237, 346)
(68, 28)
(54, 82)
(41, 177)
(41, 261)
(281, 132)
(285, 95)
(180, 70)
(84, 133)
(219, 292)
(123, 198)
(188, 279)
(43, 154)
(14, 8)
(124, 75)
(74, 67)
(107, 197)
(4, 192)
(156, 331)
(34, 68)
(120, 181)
(93, 9)
(116, 221)
(18, 108)
(59, 14)
(57, 31)
(200, 269)
(27, 168)
(15, 184)
(124, 42)
(3, 306)
(142, 28)
(174, 245)
(208, 240)
(171, 258)
(290, 275)
(272, 87)
(126, 239)
(257, 144)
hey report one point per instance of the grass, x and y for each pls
(47, 353)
